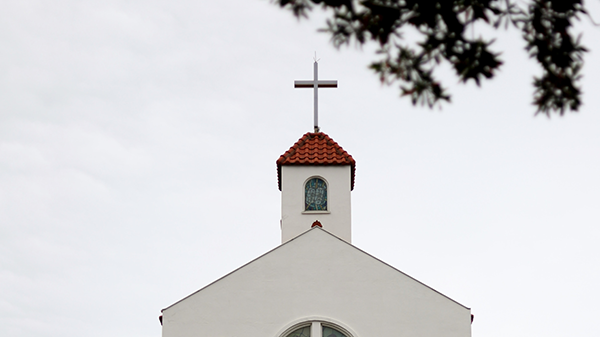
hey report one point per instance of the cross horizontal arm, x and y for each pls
(311, 84)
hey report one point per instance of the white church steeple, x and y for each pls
(315, 177)
(316, 283)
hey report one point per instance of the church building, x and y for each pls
(316, 283)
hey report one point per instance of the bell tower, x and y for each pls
(315, 177)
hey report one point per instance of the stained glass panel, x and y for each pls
(302, 332)
(329, 332)
(315, 195)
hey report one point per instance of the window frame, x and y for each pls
(316, 324)
(306, 211)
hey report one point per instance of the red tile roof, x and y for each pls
(316, 148)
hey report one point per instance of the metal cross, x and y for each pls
(316, 84)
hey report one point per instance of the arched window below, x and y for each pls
(315, 195)
(317, 329)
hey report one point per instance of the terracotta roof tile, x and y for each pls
(316, 149)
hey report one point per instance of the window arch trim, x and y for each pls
(323, 321)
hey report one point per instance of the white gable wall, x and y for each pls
(318, 276)
(337, 219)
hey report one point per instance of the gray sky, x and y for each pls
(138, 142)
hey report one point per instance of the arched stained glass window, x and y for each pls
(315, 195)
(330, 332)
(302, 332)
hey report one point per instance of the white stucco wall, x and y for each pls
(316, 276)
(295, 221)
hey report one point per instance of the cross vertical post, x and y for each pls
(316, 84)
(316, 90)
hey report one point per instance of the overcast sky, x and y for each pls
(138, 142)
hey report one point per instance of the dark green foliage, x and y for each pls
(442, 26)
(545, 29)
